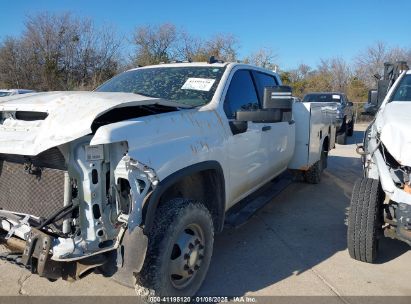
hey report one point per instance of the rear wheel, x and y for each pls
(313, 175)
(365, 220)
(179, 250)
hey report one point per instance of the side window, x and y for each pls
(241, 94)
(262, 81)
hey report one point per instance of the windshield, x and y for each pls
(403, 90)
(194, 86)
(319, 97)
(3, 94)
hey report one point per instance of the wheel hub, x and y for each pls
(187, 256)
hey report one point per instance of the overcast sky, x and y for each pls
(298, 31)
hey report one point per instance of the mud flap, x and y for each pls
(130, 256)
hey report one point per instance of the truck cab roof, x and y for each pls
(205, 64)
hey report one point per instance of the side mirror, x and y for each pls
(371, 107)
(280, 100)
(260, 116)
(373, 97)
(240, 124)
(278, 97)
(349, 103)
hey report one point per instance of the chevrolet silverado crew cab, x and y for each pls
(136, 177)
(345, 113)
(381, 200)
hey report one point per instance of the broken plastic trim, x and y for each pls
(142, 179)
(152, 177)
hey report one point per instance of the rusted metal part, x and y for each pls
(83, 268)
(14, 244)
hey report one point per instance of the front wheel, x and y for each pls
(365, 220)
(179, 250)
(350, 128)
(341, 138)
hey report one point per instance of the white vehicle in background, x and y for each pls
(10, 92)
(138, 176)
(381, 200)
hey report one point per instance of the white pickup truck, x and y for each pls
(137, 176)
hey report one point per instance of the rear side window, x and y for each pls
(262, 81)
(241, 94)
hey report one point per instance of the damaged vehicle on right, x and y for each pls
(381, 200)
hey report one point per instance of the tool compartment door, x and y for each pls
(313, 122)
(301, 116)
(318, 130)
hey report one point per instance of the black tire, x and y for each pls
(365, 220)
(324, 159)
(341, 138)
(313, 175)
(175, 218)
(350, 128)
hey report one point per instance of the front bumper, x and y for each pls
(37, 253)
(122, 264)
(399, 202)
(391, 190)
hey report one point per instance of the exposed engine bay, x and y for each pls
(73, 203)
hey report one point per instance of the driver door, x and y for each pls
(246, 151)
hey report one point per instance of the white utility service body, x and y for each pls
(314, 121)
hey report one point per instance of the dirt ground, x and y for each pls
(295, 245)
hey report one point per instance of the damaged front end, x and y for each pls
(395, 180)
(74, 206)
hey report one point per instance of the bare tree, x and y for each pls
(155, 44)
(338, 71)
(264, 57)
(190, 48)
(371, 61)
(302, 72)
(59, 52)
(222, 46)
(163, 43)
(10, 59)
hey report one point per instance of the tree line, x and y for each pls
(67, 52)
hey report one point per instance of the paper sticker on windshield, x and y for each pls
(336, 97)
(198, 84)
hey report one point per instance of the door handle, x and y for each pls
(266, 128)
